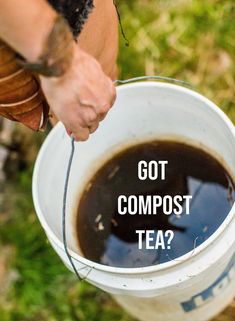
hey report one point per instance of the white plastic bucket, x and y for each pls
(193, 287)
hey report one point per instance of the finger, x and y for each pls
(69, 132)
(93, 127)
(113, 99)
(88, 116)
(105, 106)
(102, 117)
(77, 131)
(103, 102)
(82, 135)
(110, 99)
(113, 93)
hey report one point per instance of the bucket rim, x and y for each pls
(139, 270)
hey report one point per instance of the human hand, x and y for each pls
(81, 97)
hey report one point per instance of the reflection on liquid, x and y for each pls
(110, 238)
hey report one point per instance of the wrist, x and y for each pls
(56, 53)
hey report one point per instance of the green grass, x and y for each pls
(44, 288)
(188, 40)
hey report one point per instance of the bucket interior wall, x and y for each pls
(142, 111)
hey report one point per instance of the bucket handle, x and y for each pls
(167, 79)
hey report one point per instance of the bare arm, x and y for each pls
(83, 95)
(25, 25)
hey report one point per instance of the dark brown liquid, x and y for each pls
(109, 238)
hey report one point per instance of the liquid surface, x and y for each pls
(109, 238)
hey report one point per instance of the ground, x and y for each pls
(185, 39)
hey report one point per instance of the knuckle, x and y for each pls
(80, 120)
(91, 116)
(81, 136)
(84, 134)
(102, 116)
(83, 122)
(94, 127)
(104, 108)
(88, 118)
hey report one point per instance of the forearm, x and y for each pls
(25, 25)
(75, 87)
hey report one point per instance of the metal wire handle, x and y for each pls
(172, 80)
(167, 79)
(64, 207)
